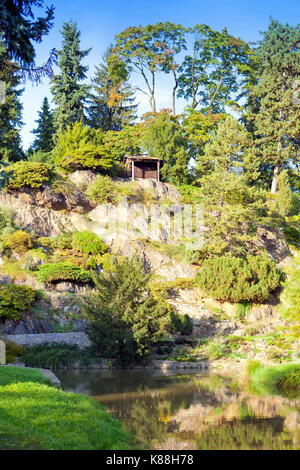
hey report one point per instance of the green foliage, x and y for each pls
(292, 234)
(32, 174)
(13, 351)
(242, 310)
(69, 94)
(63, 271)
(10, 110)
(284, 197)
(45, 129)
(6, 218)
(19, 241)
(102, 190)
(79, 147)
(290, 298)
(124, 319)
(164, 139)
(278, 115)
(150, 49)
(211, 75)
(88, 243)
(14, 300)
(18, 21)
(283, 377)
(57, 420)
(55, 355)
(112, 100)
(239, 280)
(179, 324)
(217, 350)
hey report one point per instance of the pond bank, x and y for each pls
(57, 420)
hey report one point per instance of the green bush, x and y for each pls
(80, 147)
(55, 355)
(234, 279)
(88, 243)
(14, 300)
(179, 324)
(32, 174)
(102, 190)
(5, 218)
(19, 241)
(55, 272)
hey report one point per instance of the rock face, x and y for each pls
(29, 324)
(80, 339)
(82, 178)
(69, 198)
(44, 222)
(273, 241)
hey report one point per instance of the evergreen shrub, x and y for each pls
(14, 300)
(235, 279)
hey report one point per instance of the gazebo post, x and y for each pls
(158, 168)
(132, 170)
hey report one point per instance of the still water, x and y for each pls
(192, 410)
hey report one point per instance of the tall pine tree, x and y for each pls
(44, 131)
(10, 113)
(69, 94)
(278, 119)
(112, 103)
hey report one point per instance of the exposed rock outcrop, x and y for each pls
(68, 198)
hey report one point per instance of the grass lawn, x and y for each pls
(283, 377)
(36, 415)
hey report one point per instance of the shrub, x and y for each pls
(102, 190)
(88, 243)
(14, 300)
(236, 279)
(80, 147)
(290, 298)
(20, 241)
(55, 355)
(5, 218)
(60, 242)
(32, 174)
(179, 324)
(55, 272)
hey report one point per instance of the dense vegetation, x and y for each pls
(239, 280)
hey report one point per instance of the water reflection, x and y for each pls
(191, 411)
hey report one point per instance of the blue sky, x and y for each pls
(100, 20)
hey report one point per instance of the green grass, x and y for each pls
(283, 378)
(34, 415)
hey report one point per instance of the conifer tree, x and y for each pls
(19, 30)
(69, 94)
(278, 119)
(44, 131)
(112, 102)
(10, 113)
(284, 195)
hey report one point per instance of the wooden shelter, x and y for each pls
(142, 166)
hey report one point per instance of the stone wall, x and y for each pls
(80, 339)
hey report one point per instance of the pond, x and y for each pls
(191, 410)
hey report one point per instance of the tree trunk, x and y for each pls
(275, 176)
(174, 93)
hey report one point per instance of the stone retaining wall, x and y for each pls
(80, 339)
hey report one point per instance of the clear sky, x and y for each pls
(100, 20)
